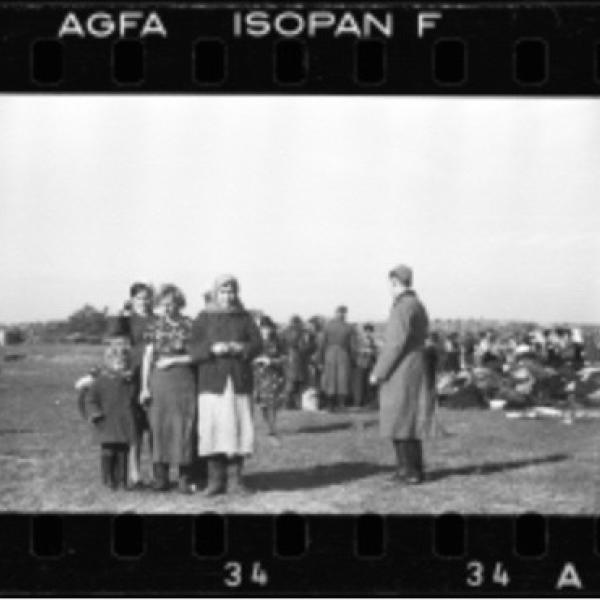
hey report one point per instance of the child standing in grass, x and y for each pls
(269, 380)
(108, 406)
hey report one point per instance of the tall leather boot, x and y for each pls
(330, 403)
(120, 466)
(415, 462)
(401, 450)
(235, 482)
(133, 456)
(106, 465)
(419, 459)
(197, 473)
(161, 477)
(216, 476)
(183, 482)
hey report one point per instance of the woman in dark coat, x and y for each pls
(225, 340)
(168, 383)
(337, 343)
(406, 402)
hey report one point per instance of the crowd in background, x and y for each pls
(329, 358)
(330, 361)
(521, 366)
(557, 347)
(333, 359)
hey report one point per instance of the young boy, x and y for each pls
(108, 405)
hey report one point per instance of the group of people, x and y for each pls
(186, 385)
(556, 347)
(518, 366)
(190, 386)
(331, 358)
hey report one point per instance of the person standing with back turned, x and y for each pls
(336, 346)
(406, 402)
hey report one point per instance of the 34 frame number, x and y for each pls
(476, 574)
(234, 574)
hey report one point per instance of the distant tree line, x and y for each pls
(88, 324)
(85, 326)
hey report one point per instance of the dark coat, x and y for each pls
(406, 401)
(213, 325)
(112, 397)
(337, 343)
(591, 348)
(431, 365)
(297, 354)
(138, 329)
(365, 351)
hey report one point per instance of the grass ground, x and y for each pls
(326, 463)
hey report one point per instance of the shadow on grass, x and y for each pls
(495, 467)
(15, 431)
(14, 357)
(345, 472)
(326, 428)
(315, 477)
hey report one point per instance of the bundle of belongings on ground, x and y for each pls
(459, 391)
(586, 388)
(524, 389)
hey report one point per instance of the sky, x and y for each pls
(309, 201)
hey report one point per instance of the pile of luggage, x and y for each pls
(522, 386)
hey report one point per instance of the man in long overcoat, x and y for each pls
(296, 367)
(406, 403)
(336, 345)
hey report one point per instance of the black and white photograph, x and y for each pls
(262, 304)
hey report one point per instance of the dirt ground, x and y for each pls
(325, 463)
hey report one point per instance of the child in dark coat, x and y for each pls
(109, 405)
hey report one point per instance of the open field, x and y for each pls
(326, 463)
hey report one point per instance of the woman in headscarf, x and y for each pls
(168, 383)
(225, 340)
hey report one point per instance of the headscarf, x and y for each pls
(220, 282)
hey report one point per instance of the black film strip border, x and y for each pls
(292, 554)
(481, 48)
